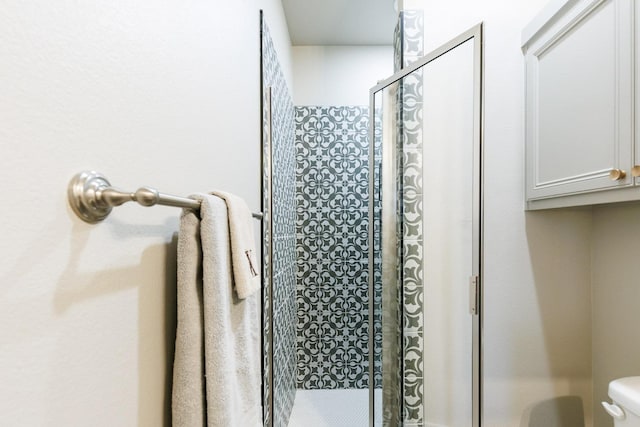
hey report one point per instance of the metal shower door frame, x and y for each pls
(476, 34)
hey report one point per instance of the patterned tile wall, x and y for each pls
(410, 147)
(279, 304)
(402, 307)
(391, 293)
(377, 249)
(332, 179)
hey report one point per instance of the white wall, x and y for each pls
(338, 75)
(616, 295)
(536, 277)
(447, 225)
(149, 93)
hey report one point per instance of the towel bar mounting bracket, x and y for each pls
(85, 196)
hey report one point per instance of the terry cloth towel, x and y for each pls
(216, 373)
(246, 271)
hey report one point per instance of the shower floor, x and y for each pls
(331, 408)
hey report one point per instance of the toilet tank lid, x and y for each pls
(626, 392)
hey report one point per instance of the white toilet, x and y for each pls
(625, 409)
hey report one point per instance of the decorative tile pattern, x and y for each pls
(332, 205)
(391, 292)
(377, 249)
(279, 304)
(412, 36)
(410, 156)
(408, 38)
(403, 306)
(397, 44)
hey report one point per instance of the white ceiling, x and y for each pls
(340, 22)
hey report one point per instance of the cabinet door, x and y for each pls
(579, 78)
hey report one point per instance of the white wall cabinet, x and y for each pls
(579, 60)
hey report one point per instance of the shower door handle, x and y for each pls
(474, 294)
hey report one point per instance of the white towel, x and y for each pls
(216, 376)
(246, 270)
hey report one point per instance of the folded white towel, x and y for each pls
(216, 372)
(246, 270)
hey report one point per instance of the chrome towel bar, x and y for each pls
(92, 197)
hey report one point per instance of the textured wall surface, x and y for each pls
(280, 297)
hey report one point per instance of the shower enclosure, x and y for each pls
(425, 230)
(372, 246)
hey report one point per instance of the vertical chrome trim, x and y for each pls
(372, 180)
(392, 308)
(475, 33)
(266, 217)
(270, 225)
(478, 217)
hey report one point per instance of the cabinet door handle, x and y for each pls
(617, 174)
(635, 171)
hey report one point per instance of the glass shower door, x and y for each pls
(425, 213)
